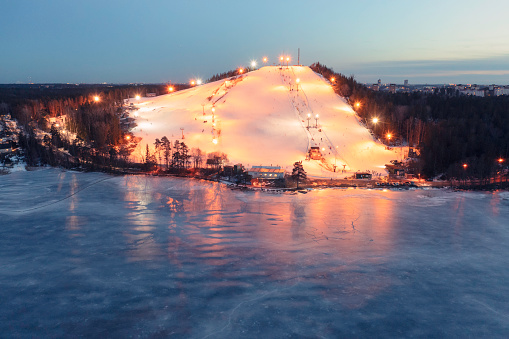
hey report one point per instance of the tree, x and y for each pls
(56, 139)
(298, 172)
(176, 156)
(184, 156)
(166, 146)
(197, 155)
(150, 159)
(158, 145)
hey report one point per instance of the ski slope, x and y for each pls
(261, 118)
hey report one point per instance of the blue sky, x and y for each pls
(122, 41)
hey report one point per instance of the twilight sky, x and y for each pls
(122, 41)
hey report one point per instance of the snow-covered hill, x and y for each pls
(262, 118)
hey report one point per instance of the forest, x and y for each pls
(97, 119)
(449, 130)
(93, 115)
(455, 135)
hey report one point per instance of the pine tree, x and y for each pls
(166, 145)
(298, 172)
(158, 145)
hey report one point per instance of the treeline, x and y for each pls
(177, 156)
(449, 131)
(227, 74)
(93, 134)
(32, 102)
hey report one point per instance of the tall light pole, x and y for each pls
(309, 118)
(316, 121)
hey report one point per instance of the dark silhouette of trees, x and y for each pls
(448, 129)
(298, 173)
(166, 148)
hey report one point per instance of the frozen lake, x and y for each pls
(87, 254)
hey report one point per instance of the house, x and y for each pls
(231, 171)
(58, 121)
(395, 169)
(363, 175)
(266, 172)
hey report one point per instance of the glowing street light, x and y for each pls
(375, 120)
(389, 136)
(214, 141)
(465, 166)
(500, 160)
(213, 109)
(253, 64)
(198, 82)
(332, 79)
(265, 60)
(96, 98)
(137, 97)
(171, 89)
(309, 118)
(193, 82)
(127, 137)
(241, 70)
(357, 104)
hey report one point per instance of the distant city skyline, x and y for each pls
(58, 41)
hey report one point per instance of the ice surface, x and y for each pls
(93, 255)
(259, 121)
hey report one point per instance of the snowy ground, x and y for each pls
(261, 118)
(87, 254)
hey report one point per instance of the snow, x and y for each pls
(93, 255)
(260, 121)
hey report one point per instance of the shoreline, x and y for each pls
(492, 184)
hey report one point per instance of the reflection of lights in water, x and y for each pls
(174, 205)
(210, 219)
(140, 195)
